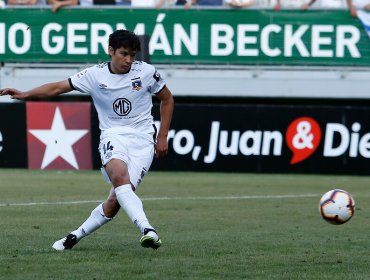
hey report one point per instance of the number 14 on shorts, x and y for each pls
(107, 147)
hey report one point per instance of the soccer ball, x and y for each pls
(337, 206)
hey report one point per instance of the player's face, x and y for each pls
(121, 59)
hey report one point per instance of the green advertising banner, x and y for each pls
(193, 36)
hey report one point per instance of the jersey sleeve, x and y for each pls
(81, 81)
(155, 80)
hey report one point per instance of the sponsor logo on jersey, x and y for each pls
(122, 106)
(102, 86)
(136, 84)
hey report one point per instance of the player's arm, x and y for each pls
(247, 4)
(166, 109)
(277, 6)
(352, 9)
(307, 5)
(22, 2)
(46, 90)
(56, 4)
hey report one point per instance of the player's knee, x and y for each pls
(111, 207)
(118, 178)
(112, 200)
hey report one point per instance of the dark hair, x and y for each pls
(124, 38)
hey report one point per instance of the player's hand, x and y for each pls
(161, 147)
(187, 5)
(277, 7)
(305, 7)
(56, 6)
(14, 93)
(353, 12)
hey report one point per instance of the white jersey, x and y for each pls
(121, 100)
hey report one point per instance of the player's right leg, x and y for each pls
(101, 215)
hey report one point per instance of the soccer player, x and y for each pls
(121, 90)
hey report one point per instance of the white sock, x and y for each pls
(95, 221)
(133, 206)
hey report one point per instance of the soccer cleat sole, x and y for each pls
(149, 242)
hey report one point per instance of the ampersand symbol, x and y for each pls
(303, 138)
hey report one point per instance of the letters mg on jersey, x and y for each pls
(58, 135)
(298, 139)
(122, 106)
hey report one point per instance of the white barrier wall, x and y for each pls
(220, 81)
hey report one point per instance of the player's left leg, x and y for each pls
(118, 173)
(101, 215)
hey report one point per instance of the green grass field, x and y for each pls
(213, 226)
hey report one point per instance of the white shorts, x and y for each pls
(132, 148)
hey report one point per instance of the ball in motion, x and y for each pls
(337, 206)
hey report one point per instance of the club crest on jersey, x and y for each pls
(136, 84)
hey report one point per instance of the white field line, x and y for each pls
(287, 196)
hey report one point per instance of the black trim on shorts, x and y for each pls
(155, 134)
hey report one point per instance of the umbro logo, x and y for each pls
(102, 86)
